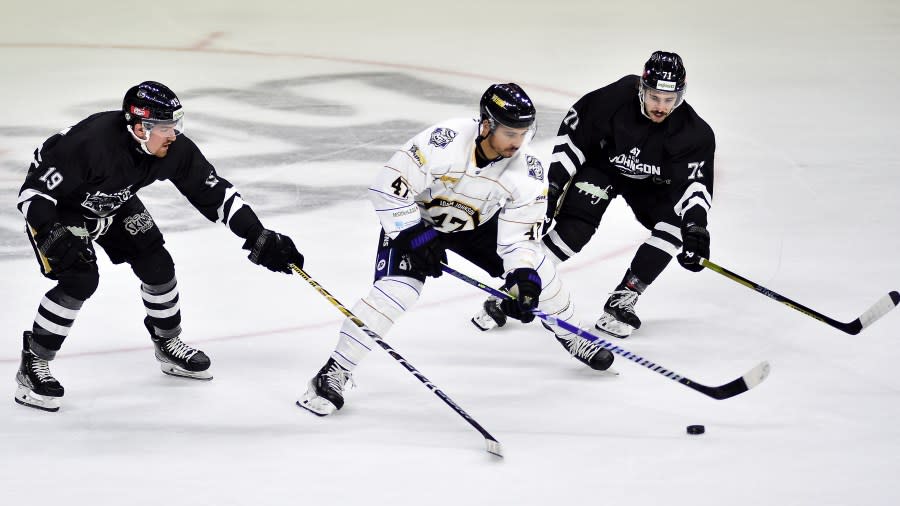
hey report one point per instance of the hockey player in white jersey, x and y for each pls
(473, 187)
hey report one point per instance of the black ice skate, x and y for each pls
(37, 387)
(595, 357)
(490, 316)
(326, 390)
(178, 359)
(619, 318)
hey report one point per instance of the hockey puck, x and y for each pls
(696, 429)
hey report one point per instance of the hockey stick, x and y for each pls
(493, 446)
(749, 380)
(881, 308)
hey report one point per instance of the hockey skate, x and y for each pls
(619, 319)
(178, 359)
(595, 357)
(37, 387)
(490, 316)
(326, 390)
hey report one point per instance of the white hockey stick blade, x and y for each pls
(494, 447)
(757, 375)
(881, 308)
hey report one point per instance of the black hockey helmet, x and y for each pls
(664, 72)
(508, 105)
(152, 103)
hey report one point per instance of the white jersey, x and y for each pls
(434, 177)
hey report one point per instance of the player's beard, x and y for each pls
(163, 150)
(507, 153)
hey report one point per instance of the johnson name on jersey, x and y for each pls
(434, 177)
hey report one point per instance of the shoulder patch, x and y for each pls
(417, 155)
(440, 137)
(535, 169)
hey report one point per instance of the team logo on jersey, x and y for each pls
(103, 204)
(138, 223)
(630, 165)
(441, 137)
(535, 169)
(417, 155)
(595, 192)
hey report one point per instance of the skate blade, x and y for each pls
(324, 408)
(174, 370)
(26, 397)
(316, 405)
(484, 324)
(613, 327)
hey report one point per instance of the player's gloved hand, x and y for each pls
(63, 248)
(525, 285)
(272, 250)
(554, 191)
(696, 246)
(423, 244)
(557, 179)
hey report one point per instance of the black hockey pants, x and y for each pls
(132, 237)
(585, 202)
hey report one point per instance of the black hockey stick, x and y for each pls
(881, 308)
(493, 446)
(749, 380)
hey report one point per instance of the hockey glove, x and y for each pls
(525, 285)
(423, 245)
(63, 248)
(272, 250)
(557, 179)
(696, 246)
(554, 191)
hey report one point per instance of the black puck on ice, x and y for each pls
(696, 429)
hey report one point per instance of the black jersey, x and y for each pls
(93, 168)
(607, 131)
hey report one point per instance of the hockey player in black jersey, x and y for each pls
(81, 189)
(636, 138)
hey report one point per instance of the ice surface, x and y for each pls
(299, 103)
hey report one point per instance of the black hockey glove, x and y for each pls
(525, 285)
(557, 179)
(696, 246)
(554, 191)
(423, 245)
(272, 250)
(63, 249)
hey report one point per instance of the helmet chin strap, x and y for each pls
(142, 141)
(641, 92)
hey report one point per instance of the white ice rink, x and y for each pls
(299, 103)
